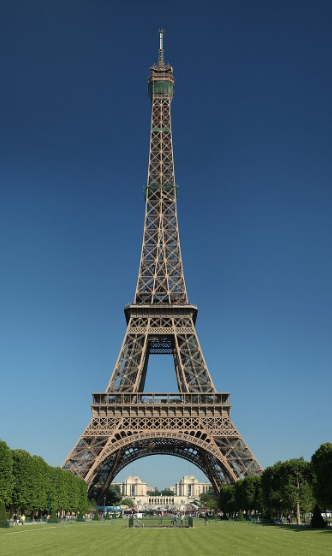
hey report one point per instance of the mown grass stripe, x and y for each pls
(217, 539)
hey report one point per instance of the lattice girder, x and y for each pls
(144, 334)
(194, 423)
(161, 279)
(211, 438)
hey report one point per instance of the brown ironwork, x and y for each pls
(128, 423)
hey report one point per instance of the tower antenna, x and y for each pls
(161, 61)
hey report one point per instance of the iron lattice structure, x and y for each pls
(127, 423)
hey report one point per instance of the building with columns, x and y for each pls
(132, 486)
(186, 492)
(190, 487)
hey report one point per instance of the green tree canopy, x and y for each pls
(126, 501)
(287, 486)
(40, 484)
(271, 488)
(66, 491)
(6, 473)
(3, 514)
(227, 499)
(22, 496)
(113, 495)
(251, 494)
(238, 495)
(322, 466)
(57, 497)
(208, 498)
(29, 484)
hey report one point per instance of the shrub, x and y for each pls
(240, 516)
(96, 517)
(317, 519)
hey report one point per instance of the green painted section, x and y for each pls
(161, 87)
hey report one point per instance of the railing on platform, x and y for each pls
(140, 398)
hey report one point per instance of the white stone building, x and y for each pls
(186, 491)
(190, 487)
(132, 486)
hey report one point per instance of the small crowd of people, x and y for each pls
(175, 519)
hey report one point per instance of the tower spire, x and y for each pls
(161, 61)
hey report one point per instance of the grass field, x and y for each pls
(218, 538)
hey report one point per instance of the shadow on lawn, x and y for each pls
(298, 528)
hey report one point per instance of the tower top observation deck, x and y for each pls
(161, 80)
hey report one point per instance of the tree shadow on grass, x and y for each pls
(298, 528)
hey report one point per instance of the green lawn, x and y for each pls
(217, 539)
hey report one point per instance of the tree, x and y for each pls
(6, 473)
(29, 484)
(66, 491)
(297, 478)
(212, 504)
(238, 495)
(251, 494)
(167, 492)
(22, 494)
(92, 505)
(307, 499)
(271, 489)
(40, 484)
(71, 499)
(3, 514)
(208, 499)
(113, 496)
(127, 502)
(83, 495)
(227, 499)
(322, 467)
(287, 487)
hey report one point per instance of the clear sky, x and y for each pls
(252, 139)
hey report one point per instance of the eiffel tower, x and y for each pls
(128, 423)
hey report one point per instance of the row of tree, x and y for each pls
(164, 492)
(29, 485)
(286, 487)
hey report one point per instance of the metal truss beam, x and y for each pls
(194, 423)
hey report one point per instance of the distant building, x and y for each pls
(132, 486)
(186, 491)
(190, 487)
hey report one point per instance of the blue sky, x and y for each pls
(252, 139)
